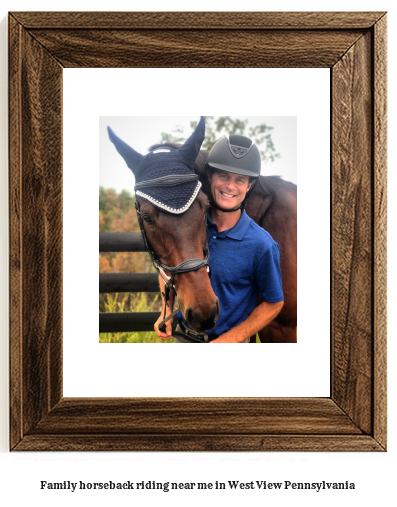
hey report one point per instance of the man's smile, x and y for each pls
(226, 195)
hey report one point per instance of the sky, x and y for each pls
(141, 132)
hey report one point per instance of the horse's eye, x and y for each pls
(147, 219)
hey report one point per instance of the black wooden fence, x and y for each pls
(126, 282)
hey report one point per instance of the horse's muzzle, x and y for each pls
(200, 324)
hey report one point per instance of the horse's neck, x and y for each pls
(272, 200)
(199, 165)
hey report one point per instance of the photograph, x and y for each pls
(167, 275)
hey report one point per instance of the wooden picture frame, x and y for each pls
(353, 46)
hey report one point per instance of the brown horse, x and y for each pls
(273, 206)
(177, 238)
(171, 209)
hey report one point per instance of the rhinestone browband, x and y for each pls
(159, 204)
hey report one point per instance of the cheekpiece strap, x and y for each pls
(183, 267)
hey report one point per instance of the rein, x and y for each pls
(183, 267)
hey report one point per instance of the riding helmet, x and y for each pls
(235, 154)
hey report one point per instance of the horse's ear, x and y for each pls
(191, 148)
(132, 158)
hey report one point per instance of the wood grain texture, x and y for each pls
(222, 416)
(204, 443)
(15, 241)
(380, 229)
(352, 232)
(200, 20)
(195, 424)
(36, 187)
(196, 48)
(41, 86)
(353, 46)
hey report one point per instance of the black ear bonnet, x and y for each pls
(164, 162)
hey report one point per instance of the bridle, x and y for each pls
(183, 267)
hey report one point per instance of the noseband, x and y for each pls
(183, 267)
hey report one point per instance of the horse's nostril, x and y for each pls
(189, 315)
(218, 309)
(199, 323)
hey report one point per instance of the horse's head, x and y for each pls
(171, 208)
(175, 239)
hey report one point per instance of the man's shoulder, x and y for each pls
(259, 235)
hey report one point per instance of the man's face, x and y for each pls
(228, 189)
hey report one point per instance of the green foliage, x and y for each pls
(114, 206)
(117, 214)
(126, 201)
(130, 303)
(216, 127)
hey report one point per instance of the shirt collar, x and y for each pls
(238, 231)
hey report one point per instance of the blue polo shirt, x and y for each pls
(244, 262)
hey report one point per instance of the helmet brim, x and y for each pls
(234, 170)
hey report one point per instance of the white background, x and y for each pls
(136, 370)
(374, 474)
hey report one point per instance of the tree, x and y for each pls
(216, 127)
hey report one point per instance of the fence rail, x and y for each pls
(121, 322)
(121, 242)
(126, 282)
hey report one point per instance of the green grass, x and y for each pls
(131, 303)
(135, 303)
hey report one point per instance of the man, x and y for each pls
(244, 259)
